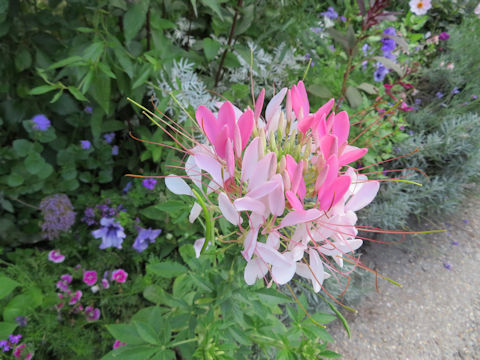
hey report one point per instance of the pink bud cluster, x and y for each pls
(283, 180)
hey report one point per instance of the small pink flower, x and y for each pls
(76, 297)
(62, 286)
(55, 256)
(119, 275)
(105, 283)
(118, 343)
(90, 277)
(92, 314)
(29, 356)
(18, 351)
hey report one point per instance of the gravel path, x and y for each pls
(436, 314)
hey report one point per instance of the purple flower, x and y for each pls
(89, 216)
(447, 266)
(109, 137)
(62, 285)
(115, 150)
(365, 48)
(474, 97)
(119, 275)
(315, 30)
(85, 144)
(76, 297)
(149, 183)
(330, 13)
(58, 215)
(92, 314)
(67, 278)
(455, 243)
(90, 277)
(444, 36)
(4, 345)
(380, 73)
(127, 187)
(410, 132)
(331, 47)
(14, 339)
(111, 233)
(55, 256)
(88, 109)
(465, 221)
(105, 283)
(21, 320)
(343, 18)
(41, 122)
(418, 101)
(145, 237)
(455, 91)
(439, 94)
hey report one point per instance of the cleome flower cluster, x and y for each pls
(284, 180)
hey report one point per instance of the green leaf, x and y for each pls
(123, 58)
(246, 20)
(56, 96)
(147, 333)
(14, 180)
(96, 122)
(134, 19)
(34, 163)
(100, 90)
(354, 97)
(22, 147)
(272, 296)
(340, 38)
(42, 89)
(320, 91)
(368, 88)
(389, 64)
(135, 352)
(166, 269)
(323, 318)
(7, 328)
(6, 205)
(23, 59)
(144, 73)
(7, 285)
(214, 5)
(125, 333)
(210, 48)
(93, 52)
(77, 94)
(330, 354)
(106, 70)
(73, 60)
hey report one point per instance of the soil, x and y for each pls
(436, 312)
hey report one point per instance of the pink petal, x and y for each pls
(262, 170)
(299, 217)
(249, 204)
(335, 193)
(250, 159)
(230, 157)
(272, 256)
(177, 185)
(351, 156)
(227, 209)
(297, 177)
(293, 200)
(211, 166)
(226, 116)
(208, 122)
(237, 141)
(250, 244)
(245, 124)
(341, 127)
(274, 105)
(263, 190)
(255, 269)
(276, 199)
(283, 274)
(220, 142)
(306, 123)
(259, 104)
(329, 145)
(364, 196)
(273, 240)
(325, 108)
(300, 99)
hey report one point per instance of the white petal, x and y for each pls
(198, 245)
(283, 274)
(250, 244)
(274, 104)
(227, 209)
(177, 185)
(255, 269)
(193, 171)
(196, 210)
(364, 196)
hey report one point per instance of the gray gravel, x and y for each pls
(436, 313)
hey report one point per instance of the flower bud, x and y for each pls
(282, 165)
(286, 180)
(263, 142)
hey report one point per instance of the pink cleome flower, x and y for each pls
(55, 256)
(118, 344)
(92, 314)
(76, 297)
(90, 277)
(119, 275)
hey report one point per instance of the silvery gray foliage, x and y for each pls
(188, 88)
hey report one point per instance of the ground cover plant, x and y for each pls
(215, 260)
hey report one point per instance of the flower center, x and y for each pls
(420, 5)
